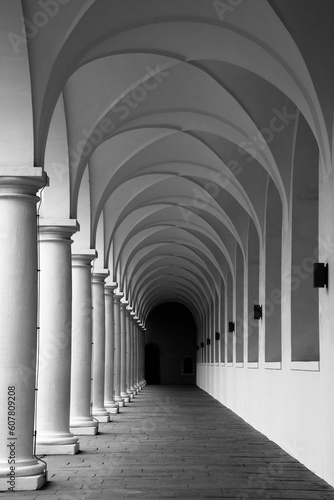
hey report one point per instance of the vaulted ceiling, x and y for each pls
(162, 125)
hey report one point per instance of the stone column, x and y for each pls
(133, 353)
(128, 352)
(136, 356)
(98, 304)
(109, 401)
(117, 374)
(139, 355)
(124, 394)
(141, 367)
(54, 364)
(142, 356)
(81, 421)
(18, 327)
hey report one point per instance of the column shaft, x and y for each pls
(98, 303)
(124, 394)
(128, 352)
(133, 354)
(18, 332)
(109, 401)
(54, 364)
(81, 421)
(117, 358)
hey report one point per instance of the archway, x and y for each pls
(171, 332)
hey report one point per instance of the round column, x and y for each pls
(139, 355)
(140, 349)
(117, 359)
(136, 354)
(133, 353)
(128, 352)
(54, 364)
(109, 401)
(81, 421)
(18, 326)
(124, 394)
(98, 304)
(142, 356)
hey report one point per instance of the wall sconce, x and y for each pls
(231, 326)
(202, 344)
(257, 312)
(208, 341)
(320, 275)
(217, 335)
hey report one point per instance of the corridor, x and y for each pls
(177, 442)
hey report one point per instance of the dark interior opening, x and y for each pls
(171, 329)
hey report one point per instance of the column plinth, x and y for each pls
(54, 367)
(18, 327)
(98, 301)
(109, 401)
(117, 359)
(81, 421)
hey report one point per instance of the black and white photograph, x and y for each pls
(166, 249)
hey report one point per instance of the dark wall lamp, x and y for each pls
(208, 341)
(320, 275)
(231, 326)
(257, 312)
(202, 344)
(217, 335)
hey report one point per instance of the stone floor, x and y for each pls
(177, 442)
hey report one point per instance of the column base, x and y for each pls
(119, 401)
(125, 397)
(57, 449)
(23, 483)
(84, 430)
(102, 418)
(112, 408)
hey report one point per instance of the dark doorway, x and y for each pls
(152, 364)
(171, 328)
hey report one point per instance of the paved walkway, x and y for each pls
(177, 442)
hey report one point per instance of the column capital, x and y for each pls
(112, 285)
(118, 296)
(132, 313)
(83, 257)
(100, 275)
(57, 229)
(109, 288)
(124, 304)
(22, 180)
(129, 309)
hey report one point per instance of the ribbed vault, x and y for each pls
(178, 121)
